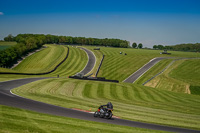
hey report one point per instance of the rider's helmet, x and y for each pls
(109, 105)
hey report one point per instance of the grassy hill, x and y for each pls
(75, 62)
(119, 66)
(43, 61)
(131, 101)
(52, 55)
(191, 76)
(181, 76)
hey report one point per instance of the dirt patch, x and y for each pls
(153, 83)
(187, 90)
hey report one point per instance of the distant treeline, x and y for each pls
(30, 42)
(51, 39)
(180, 47)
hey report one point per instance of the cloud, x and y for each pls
(1, 13)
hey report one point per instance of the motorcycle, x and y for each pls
(104, 113)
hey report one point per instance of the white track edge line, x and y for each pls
(140, 68)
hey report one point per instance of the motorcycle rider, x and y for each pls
(108, 105)
(104, 111)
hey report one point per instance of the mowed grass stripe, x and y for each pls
(79, 89)
(44, 60)
(119, 66)
(65, 68)
(23, 121)
(75, 62)
(178, 77)
(143, 102)
(76, 57)
(100, 90)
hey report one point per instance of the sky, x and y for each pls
(150, 22)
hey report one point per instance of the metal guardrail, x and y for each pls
(99, 66)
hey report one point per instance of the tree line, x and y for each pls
(135, 45)
(180, 47)
(24, 45)
(30, 42)
(51, 39)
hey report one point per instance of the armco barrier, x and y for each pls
(99, 66)
(39, 73)
(94, 79)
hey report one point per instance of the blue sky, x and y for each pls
(150, 22)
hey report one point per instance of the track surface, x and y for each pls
(132, 78)
(91, 62)
(9, 99)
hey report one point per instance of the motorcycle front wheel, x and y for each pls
(110, 116)
(101, 115)
(95, 114)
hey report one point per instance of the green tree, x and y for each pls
(9, 38)
(140, 45)
(31, 43)
(161, 47)
(155, 46)
(134, 45)
(62, 39)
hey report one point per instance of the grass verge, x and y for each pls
(130, 101)
(43, 61)
(18, 120)
(120, 66)
(181, 76)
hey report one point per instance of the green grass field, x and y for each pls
(75, 62)
(181, 76)
(5, 45)
(44, 60)
(119, 66)
(131, 101)
(15, 120)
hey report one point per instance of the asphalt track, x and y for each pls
(10, 99)
(132, 78)
(91, 62)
